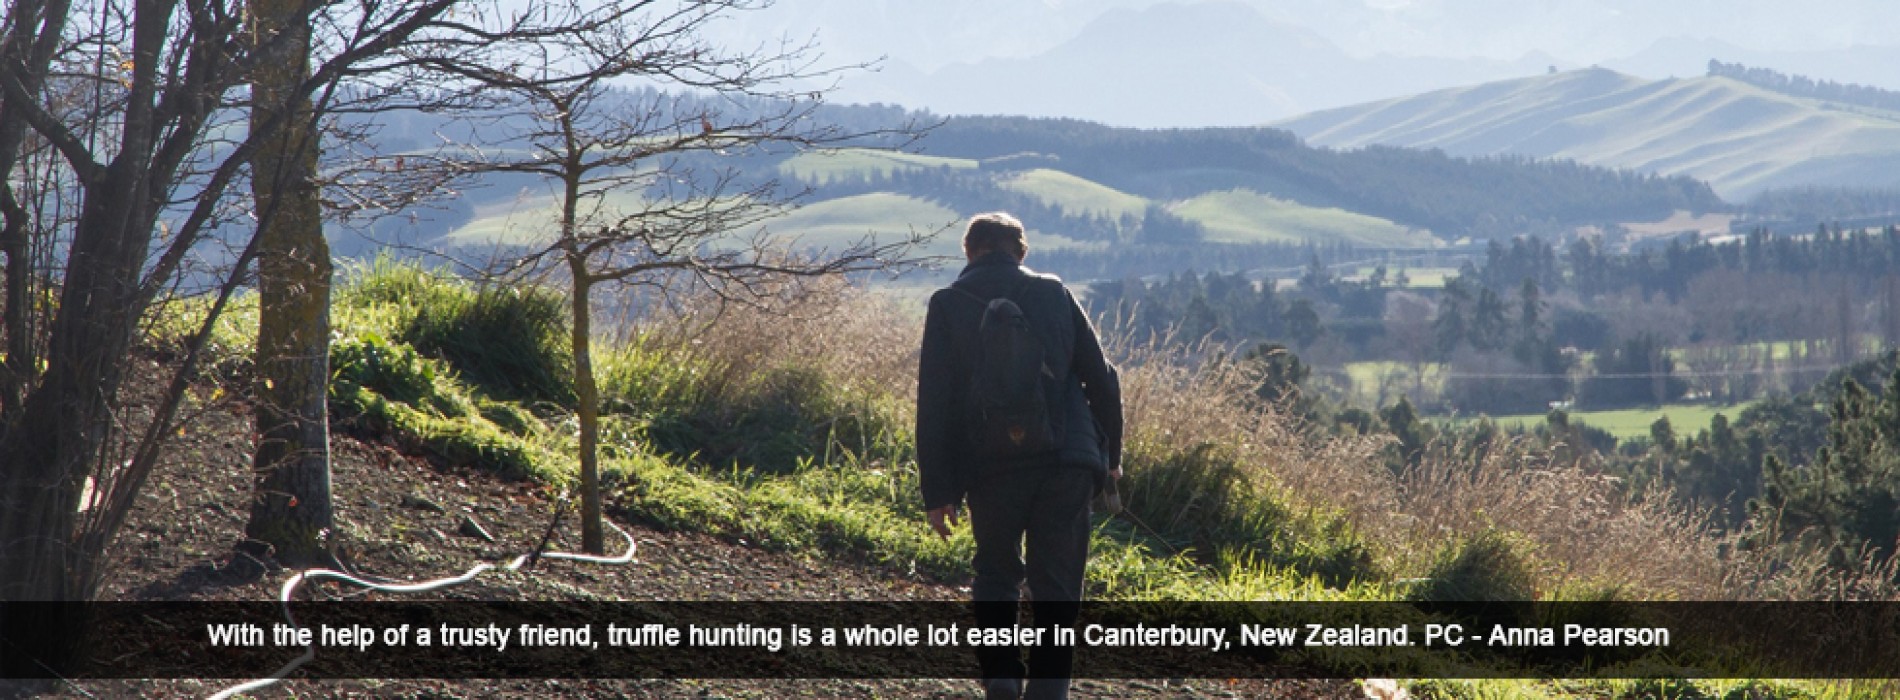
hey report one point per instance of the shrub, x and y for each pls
(511, 341)
(1205, 498)
(1492, 565)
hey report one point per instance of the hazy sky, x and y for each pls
(1162, 63)
(1590, 31)
(929, 34)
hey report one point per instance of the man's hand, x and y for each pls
(942, 519)
(1115, 473)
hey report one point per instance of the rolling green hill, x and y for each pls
(1102, 185)
(832, 223)
(1244, 216)
(530, 219)
(837, 223)
(1740, 138)
(1073, 194)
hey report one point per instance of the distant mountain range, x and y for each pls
(1175, 65)
(1195, 63)
(1740, 138)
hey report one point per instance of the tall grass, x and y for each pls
(762, 385)
(1211, 474)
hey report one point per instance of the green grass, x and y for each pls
(512, 222)
(1244, 216)
(534, 220)
(824, 166)
(1634, 422)
(1074, 195)
(1428, 277)
(841, 222)
(883, 216)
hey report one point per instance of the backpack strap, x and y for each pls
(1012, 295)
(968, 293)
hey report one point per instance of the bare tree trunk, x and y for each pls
(13, 242)
(61, 434)
(291, 509)
(593, 537)
(20, 44)
(14, 221)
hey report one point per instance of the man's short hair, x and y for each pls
(995, 231)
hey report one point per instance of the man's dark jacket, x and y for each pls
(1090, 418)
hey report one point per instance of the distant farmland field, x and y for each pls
(1244, 216)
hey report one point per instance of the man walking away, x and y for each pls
(1019, 414)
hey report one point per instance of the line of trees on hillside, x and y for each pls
(1481, 197)
(1803, 86)
(1813, 205)
(1671, 269)
(1265, 259)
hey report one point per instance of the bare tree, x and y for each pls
(149, 173)
(643, 179)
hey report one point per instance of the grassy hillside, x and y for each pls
(825, 166)
(1452, 197)
(1075, 195)
(1740, 138)
(1244, 216)
(530, 218)
(835, 223)
(832, 223)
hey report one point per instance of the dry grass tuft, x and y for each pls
(854, 338)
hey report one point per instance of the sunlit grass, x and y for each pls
(1076, 196)
(1244, 216)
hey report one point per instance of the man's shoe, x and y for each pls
(1002, 689)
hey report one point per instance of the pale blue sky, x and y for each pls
(928, 34)
(1233, 62)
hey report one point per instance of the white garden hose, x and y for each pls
(310, 650)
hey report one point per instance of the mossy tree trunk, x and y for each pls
(291, 511)
(587, 398)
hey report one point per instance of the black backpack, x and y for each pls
(1009, 414)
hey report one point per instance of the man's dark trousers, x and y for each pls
(1030, 523)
